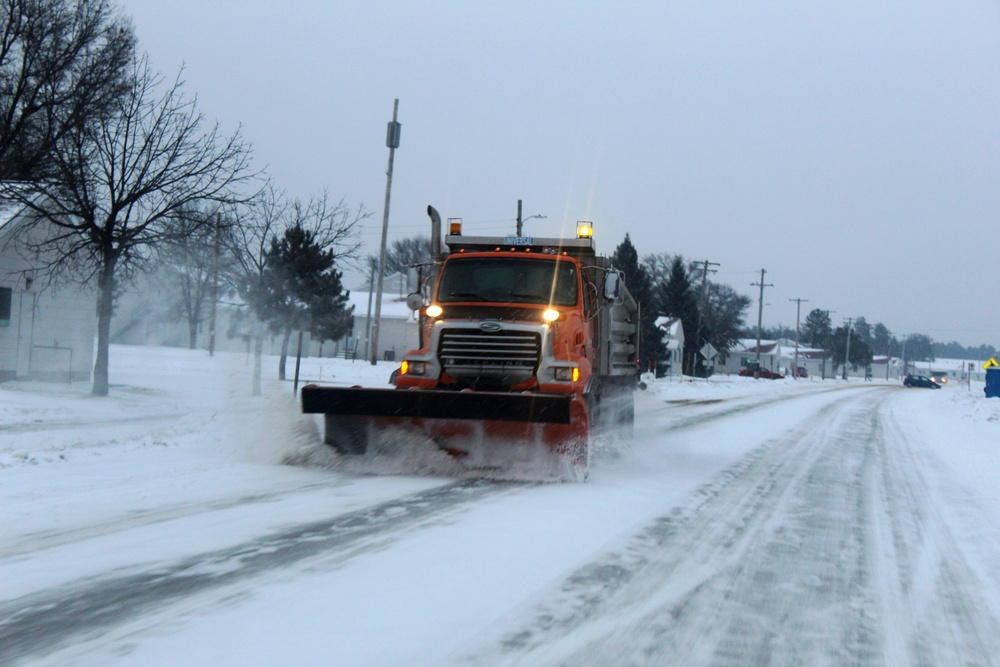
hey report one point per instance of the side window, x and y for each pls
(590, 298)
(6, 294)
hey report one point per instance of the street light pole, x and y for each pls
(521, 221)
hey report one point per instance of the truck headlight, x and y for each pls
(551, 315)
(567, 373)
(413, 367)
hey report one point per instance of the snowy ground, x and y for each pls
(183, 521)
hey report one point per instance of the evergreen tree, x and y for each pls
(677, 299)
(816, 331)
(919, 348)
(864, 331)
(860, 353)
(722, 316)
(303, 290)
(880, 339)
(626, 260)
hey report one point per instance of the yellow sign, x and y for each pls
(992, 363)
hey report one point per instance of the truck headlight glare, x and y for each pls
(550, 315)
(413, 367)
(434, 310)
(567, 373)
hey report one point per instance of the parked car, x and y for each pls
(764, 373)
(920, 381)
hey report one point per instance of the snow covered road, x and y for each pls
(822, 547)
(748, 524)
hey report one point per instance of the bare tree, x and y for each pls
(118, 183)
(191, 260)
(407, 252)
(333, 228)
(62, 64)
(257, 222)
(258, 226)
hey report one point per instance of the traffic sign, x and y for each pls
(708, 351)
(992, 363)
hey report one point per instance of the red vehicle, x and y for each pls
(527, 344)
(763, 373)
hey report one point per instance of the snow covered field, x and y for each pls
(183, 521)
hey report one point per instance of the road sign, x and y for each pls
(708, 351)
(992, 363)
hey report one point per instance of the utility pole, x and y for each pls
(847, 350)
(368, 315)
(760, 316)
(905, 336)
(704, 291)
(392, 141)
(798, 313)
(888, 353)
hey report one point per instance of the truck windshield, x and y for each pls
(509, 280)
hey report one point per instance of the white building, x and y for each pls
(47, 330)
(673, 339)
(146, 316)
(778, 356)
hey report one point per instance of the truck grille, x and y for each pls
(500, 357)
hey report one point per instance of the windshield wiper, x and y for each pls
(529, 298)
(467, 295)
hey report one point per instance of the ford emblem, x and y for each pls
(490, 326)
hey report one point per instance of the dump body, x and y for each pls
(526, 344)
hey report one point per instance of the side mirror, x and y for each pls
(612, 286)
(412, 280)
(414, 301)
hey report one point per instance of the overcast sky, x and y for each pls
(851, 149)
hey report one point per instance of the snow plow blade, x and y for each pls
(487, 431)
(483, 405)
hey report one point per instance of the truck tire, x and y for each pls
(347, 434)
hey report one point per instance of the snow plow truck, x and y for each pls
(528, 350)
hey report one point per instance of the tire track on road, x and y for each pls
(45, 621)
(781, 560)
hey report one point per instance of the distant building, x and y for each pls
(47, 331)
(147, 315)
(778, 356)
(673, 340)
(812, 362)
(950, 370)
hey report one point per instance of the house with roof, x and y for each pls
(779, 356)
(673, 340)
(47, 330)
(812, 362)
(146, 315)
(745, 352)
